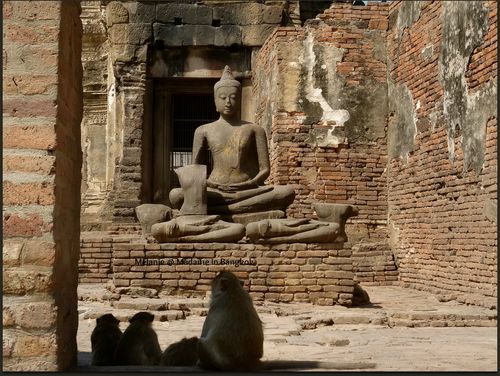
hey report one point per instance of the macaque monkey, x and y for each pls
(232, 338)
(139, 343)
(181, 353)
(104, 339)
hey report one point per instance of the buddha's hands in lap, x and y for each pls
(234, 187)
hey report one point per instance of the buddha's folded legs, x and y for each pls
(264, 198)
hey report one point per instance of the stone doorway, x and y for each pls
(180, 106)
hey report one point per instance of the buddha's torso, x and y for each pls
(234, 152)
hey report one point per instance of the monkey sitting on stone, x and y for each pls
(232, 338)
(139, 343)
(104, 339)
(182, 353)
(359, 296)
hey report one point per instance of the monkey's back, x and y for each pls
(104, 340)
(138, 346)
(233, 328)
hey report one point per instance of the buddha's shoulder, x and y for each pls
(250, 125)
(207, 126)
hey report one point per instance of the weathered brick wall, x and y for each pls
(318, 273)
(442, 171)
(41, 143)
(94, 265)
(349, 169)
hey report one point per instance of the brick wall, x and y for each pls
(41, 118)
(442, 172)
(351, 172)
(318, 273)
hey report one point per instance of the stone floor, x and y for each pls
(402, 330)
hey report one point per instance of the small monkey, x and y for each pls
(360, 296)
(232, 337)
(104, 339)
(139, 343)
(182, 353)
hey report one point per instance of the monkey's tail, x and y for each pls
(312, 364)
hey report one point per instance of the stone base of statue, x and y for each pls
(292, 231)
(197, 229)
(274, 272)
(247, 218)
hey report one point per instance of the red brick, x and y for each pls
(26, 107)
(25, 33)
(24, 163)
(28, 193)
(28, 225)
(37, 10)
(28, 84)
(30, 137)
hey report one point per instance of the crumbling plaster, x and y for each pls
(464, 25)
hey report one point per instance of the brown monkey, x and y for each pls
(360, 296)
(104, 339)
(139, 343)
(182, 353)
(232, 336)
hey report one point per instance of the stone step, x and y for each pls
(410, 319)
(124, 315)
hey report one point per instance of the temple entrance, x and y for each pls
(180, 106)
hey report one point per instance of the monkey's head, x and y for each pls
(224, 281)
(142, 316)
(108, 318)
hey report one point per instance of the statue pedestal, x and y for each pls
(317, 273)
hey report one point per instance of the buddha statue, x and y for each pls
(240, 159)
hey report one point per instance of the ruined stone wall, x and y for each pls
(442, 137)
(42, 111)
(165, 39)
(321, 95)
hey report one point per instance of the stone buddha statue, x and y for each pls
(233, 200)
(235, 187)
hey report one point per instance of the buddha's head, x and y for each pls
(227, 94)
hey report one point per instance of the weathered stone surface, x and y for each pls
(27, 313)
(185, 35)
(149, 214)
(239, 13)
(272, 14)
(285, 231)
(336, 213)
(23, 281)
(190, 14)
(11, 253)
(116, 14)
(227, 35)
(197, 229)
(40, 253)
(256, 35)
(130, 33)
(140, 12)
(254, 217)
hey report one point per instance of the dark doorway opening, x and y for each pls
(189, 111)
(180, 106)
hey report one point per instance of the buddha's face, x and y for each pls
(227, 99)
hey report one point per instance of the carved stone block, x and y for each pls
(191, 14)
(149, 214)
(116, 14)
(335, 213)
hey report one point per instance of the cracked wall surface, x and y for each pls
(321, 93)
(442, 172)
